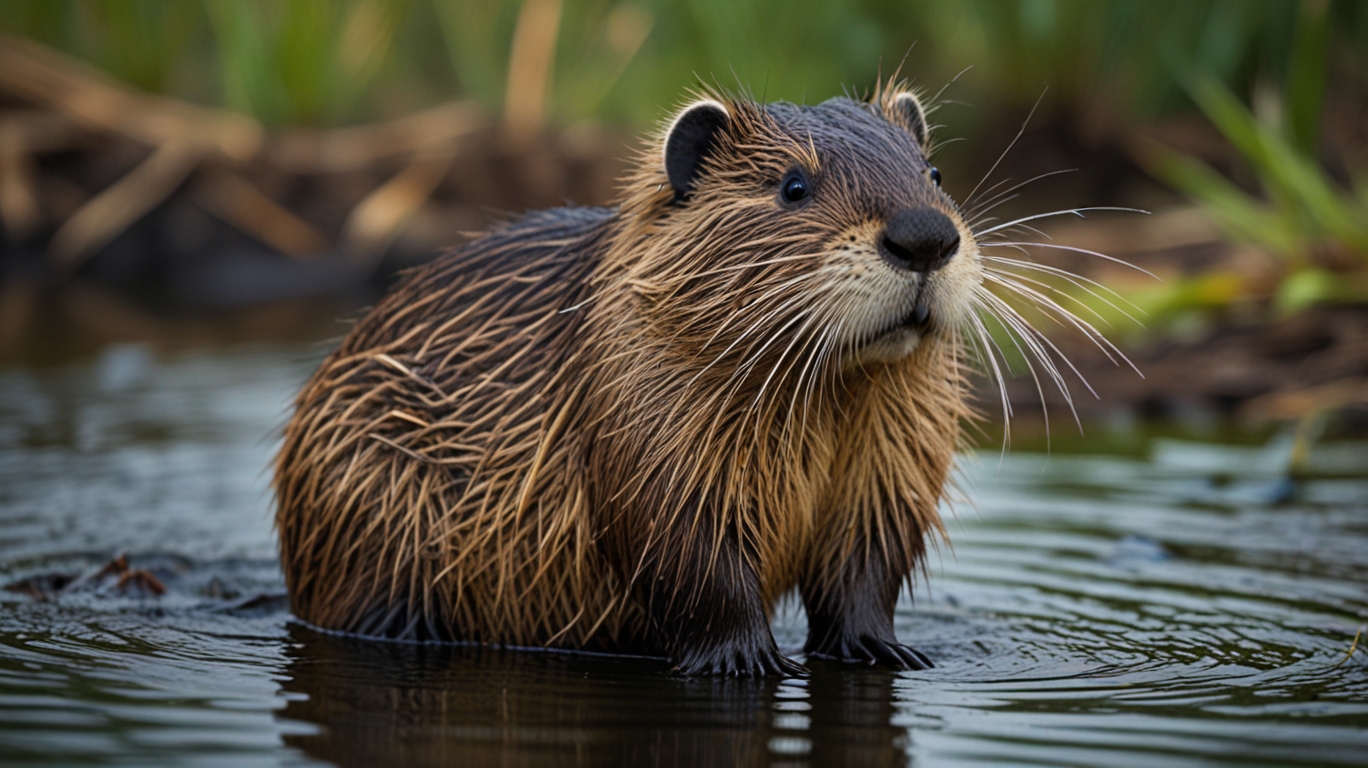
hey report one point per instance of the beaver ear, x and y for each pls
(905, 110)
(692, 135)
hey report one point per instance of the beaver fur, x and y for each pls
(633, 429)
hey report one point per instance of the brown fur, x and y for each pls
(635, 429)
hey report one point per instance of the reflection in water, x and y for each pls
(1161, 601)
(412, 704)
(852, 718)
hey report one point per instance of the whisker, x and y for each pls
(739, 373)
(1008, 279)
(1058, 247)
(1016, 138)
(831, 342)
(976, 218)
(1070, 211)
(986, 344)
(1046, 306)
(940, 144)
(1074, 278)
(809, 341)
(1031, 337)
(935, 100)
(1034, 340)
(1099, 340)
(1004, 234)
(1015, 187)
(989, 345)
(1040, 390)
(988, 200)
(1012, 229)
(835, 354)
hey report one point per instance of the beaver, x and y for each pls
(634, 429)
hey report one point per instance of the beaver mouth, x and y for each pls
(917, 320)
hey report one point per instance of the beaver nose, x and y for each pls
(919, 239)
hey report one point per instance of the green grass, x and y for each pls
(1317, 230)
(321, 62)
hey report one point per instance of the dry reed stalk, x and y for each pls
(88, 96)
(339, 150)
(1307, 401)
(529, 68)
(377, 219)
(76, 101)
(130, 198)
(40, 130)
(19, 211)
(234, 200)
(628, 27)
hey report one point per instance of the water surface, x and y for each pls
(1129, 598)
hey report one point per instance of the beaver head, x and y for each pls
(783, 233)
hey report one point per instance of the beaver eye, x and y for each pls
(935, 175)
(794, 188)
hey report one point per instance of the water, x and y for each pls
(1151, 601)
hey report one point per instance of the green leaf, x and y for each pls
(1310, 208)
(1243, 217)
(1306, 287)
(1306, 76)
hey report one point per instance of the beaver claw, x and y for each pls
(731, 662)
(873, 651)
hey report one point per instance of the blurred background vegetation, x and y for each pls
(1247, 117)
(335, 62)
(1111, 68)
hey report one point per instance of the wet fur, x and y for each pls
(636, 428)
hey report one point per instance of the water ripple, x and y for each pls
(1160, 605)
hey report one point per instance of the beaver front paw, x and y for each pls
(737, 659)
(873, 651)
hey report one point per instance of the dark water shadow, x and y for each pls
(417, 705)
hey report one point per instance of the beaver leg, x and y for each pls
(722, 628)
(706, 606)
(850, 617)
